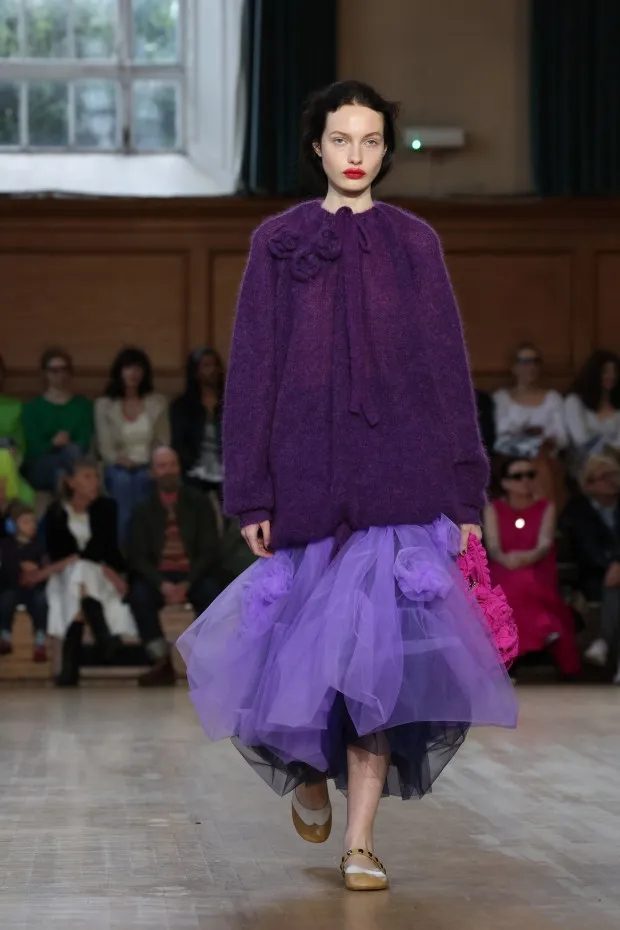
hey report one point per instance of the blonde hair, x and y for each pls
(594, 464)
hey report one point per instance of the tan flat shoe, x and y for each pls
(357, 878)
(312, 826)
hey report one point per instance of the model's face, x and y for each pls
(352, 148)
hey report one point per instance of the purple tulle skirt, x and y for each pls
(379, 646)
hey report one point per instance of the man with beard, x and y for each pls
(173, 556)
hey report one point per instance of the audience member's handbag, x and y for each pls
(492, 601)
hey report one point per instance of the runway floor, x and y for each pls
(116, 814)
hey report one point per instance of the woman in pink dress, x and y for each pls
(520, 539)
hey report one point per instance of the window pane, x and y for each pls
(47, 114)
(155, 30)
(9, 114)
(154, 114)
(95, 114)
(46, 28)
(95, 28)
(9, 35)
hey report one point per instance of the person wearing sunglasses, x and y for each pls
(530, 421)
(526, 412)
(58, 424)
(519, 535)
(591, 522)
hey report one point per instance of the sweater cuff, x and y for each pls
(253, 516)
(468, 514)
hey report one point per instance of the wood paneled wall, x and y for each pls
(95, 275)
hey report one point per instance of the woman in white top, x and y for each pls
(81, 529)
(593, 406)
(528, 415)
(530, 423)
(130, 421)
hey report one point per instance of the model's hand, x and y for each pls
(467, 530)
(258, 537)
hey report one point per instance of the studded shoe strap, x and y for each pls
(360, 852)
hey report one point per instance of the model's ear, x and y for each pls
(317, 148)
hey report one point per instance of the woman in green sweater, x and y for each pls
(58, 424)
(12, 447)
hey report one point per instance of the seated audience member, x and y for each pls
(23, 574)
(486, 420)
(81, 527)
(173, 556)
(591, 522)
(593, 407)
(58, 424)
(130, 421)
(528, 416)
(530, 422)
(12, 446)
(196, 420)
(520, 539)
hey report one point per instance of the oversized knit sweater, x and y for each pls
(349, 401)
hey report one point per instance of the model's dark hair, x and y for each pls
(55, 352)
(331, 98)
(506, 465)
(126, 357)
(587, 385)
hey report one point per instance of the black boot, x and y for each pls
(95, 618)
(71, 648)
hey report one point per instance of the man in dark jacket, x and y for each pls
(591, 522)
(173, 557)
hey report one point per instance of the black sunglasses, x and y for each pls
(528, 360)
(521, 476)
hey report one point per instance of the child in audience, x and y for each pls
(23, 574)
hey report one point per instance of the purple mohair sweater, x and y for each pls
(349, 400)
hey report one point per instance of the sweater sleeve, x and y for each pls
(450, 366)
(250, 392)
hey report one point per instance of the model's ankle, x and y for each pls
(358, 839)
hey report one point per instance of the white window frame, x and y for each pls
(121, 69)
(214, 128)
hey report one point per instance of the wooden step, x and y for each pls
(19, 667)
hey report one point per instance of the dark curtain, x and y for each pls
(575, 103)
(290, 51)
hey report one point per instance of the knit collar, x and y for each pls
(309, 248)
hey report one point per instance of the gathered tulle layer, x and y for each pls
(380, 646)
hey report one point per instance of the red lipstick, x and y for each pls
(355, 173)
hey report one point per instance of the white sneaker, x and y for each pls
(597, 653)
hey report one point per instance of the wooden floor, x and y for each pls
(116, 814)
